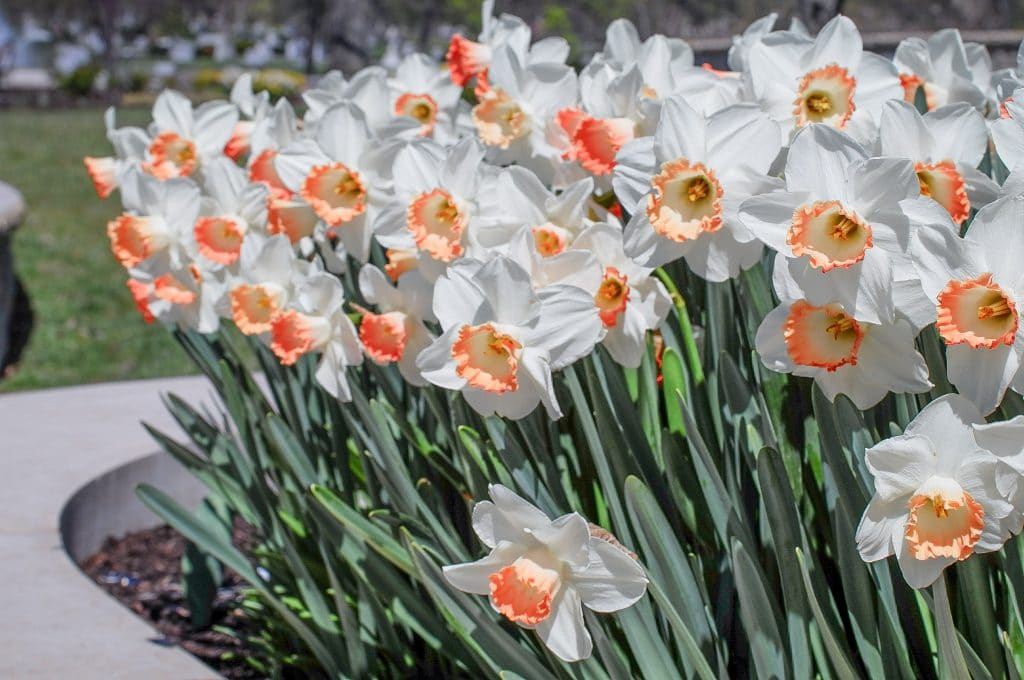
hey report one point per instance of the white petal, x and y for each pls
(982, 375)
(818, 162)
(959, 132)
(611, 581)
(474, 577)
(567, 538)
(879, 524)
(900, 465)
(563, 631)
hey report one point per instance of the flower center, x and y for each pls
(422, 107)
(978, 312)
(824, 337)
(134, 239)
(335, 192)
(831, 235)
(383, 336)
(437, 224)
(522, 592)
(944, 521)
(253, 306)
(487, 358)
(499, 119)
(686, 201)
(550, 239)
(943, 183)
(220, 238)
(172, 156)
(612, 296)
(825, 95)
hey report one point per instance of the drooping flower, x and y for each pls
(684, 185)
(541, 572)
(158, 220)
(936, 497)
(395, 332)
(315, 322)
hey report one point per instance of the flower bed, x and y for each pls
(701, 348)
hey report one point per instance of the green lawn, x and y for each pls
(87, 328)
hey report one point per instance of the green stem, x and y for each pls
(685, 328)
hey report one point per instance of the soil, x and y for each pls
(143, 571)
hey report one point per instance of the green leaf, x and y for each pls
(759, 616)
(373, 535)
(836, 650)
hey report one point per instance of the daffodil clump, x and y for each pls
(643, 370)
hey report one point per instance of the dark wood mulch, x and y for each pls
(143, 571)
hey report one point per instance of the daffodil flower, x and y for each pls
(502, 339)
(937, 498)
(684, 185)
(541, 572)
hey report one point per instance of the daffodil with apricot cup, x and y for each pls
(977, 286)
(541, 572)
(937, 498)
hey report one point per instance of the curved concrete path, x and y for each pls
(56, 622)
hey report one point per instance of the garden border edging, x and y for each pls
(56, 445)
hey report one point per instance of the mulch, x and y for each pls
(143, 571)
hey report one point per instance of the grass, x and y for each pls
(86, 326)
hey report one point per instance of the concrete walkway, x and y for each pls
(56, 623)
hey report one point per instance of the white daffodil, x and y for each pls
(629, 300)
(422, 91)
(130, 147)
(1008, 131)
(158, 220)
(267, 278)
(518, 200)
(541, 572)
(395, 332)
(512, 116)
(946, 146)
(864, 361)
(936, 496)
(829, 79)
(231, 208)
(1006, 442)
(502, 339)
(469, 59)
(251, 105)
(839, 222)
(684, 185)
(339, 175)
(942, 67)
(182, 139)
(977, 286)
(272, 130)
(433, 208)
(315, 321)
(181, 296)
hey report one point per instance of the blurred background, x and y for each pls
(63, 61)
